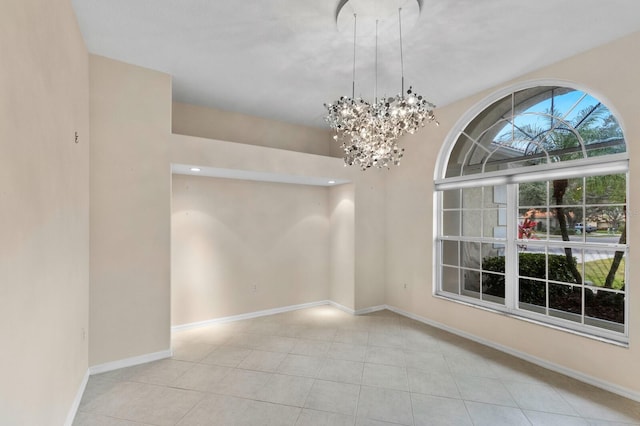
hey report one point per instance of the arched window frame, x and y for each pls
(594, 166)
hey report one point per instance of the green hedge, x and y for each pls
(602, 304)
(530, 265)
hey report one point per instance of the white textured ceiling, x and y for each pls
(282, 59)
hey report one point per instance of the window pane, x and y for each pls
(495, 197)
(565, 302)
(608, 189)
(451, 199)
(458, 157)
(493, 287)
(567, 146)
(565, 220)
(493, 257)
(532, 295)
(451, 223)
(608, 219)
(578, 106)
(500, 232)
(604, 268)
(605, 223)
(471, 283)
(532, 265)
(472, 198)
(615, 145)
(593, 216)
(491, 221)
(528, 226)
(489, 116)
(604, 305)
(566, 192)
(450, 281)
(472, 223)
(450, 253)
(532, 125)
(564, 265)
(541, 217)
(607, 139)
(532, 194)
(470, 254)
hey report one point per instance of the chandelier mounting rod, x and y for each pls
(375, 89)
(401, 55)
(353, 81)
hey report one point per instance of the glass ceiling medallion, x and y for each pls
(369, 132)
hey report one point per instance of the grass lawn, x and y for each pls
(596, 272)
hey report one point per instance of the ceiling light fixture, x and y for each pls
(369, 132)
(195, 169)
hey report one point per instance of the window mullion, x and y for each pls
(511, 255)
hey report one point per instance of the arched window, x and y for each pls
(532, 211)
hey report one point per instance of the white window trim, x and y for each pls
(614, 164)
(451, 138)
(511, 296)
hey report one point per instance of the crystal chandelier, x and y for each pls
(369, 132)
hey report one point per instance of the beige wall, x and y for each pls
(130, 211)
(44, 214)
(193, 120)
(370, 239)
(239, 246)
(610, 74)
(342, 250)
(366, 287)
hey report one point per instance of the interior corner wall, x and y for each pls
(610, 74)
(241, 246)
(367, 191)
(370, 239)
(342, 245)
(44, 219)
(130, 211)
(211, 123)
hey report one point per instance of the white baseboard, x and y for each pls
(362, 311)
(370, 309)
(273, 311)
(73, 410)
(341, 307)
(611, 387)
(248, 315)
(129, 362)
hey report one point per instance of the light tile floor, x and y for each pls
(320, 366)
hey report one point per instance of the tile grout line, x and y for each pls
(406, 370)
(355, 416)
(202, 397)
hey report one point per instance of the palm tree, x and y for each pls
(561, 141)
